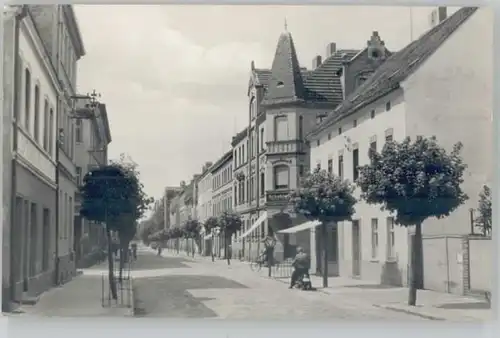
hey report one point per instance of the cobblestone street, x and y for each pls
(202, 289)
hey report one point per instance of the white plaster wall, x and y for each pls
(451, 97)
(28, 148)
(361, 134)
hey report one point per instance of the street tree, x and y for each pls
(484, 219)
(192, 229)
(126, 223)
(414, 181)
(210, 225)
(229, 223)
(325, 198)
(112, 195)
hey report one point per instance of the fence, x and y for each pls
(124, 287)
(459, 264)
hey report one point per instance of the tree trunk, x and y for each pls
(324, 236)
(122, 261)
(228, 256)
(416, 265)
(111, 276)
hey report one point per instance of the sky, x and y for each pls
(174, 78)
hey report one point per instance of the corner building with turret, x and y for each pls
(286, 102)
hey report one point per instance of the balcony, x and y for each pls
(285, 147)
(277, 197)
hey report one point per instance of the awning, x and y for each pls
(300, 227)
(254, 226)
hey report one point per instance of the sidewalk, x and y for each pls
(79, 298)
(430, 304)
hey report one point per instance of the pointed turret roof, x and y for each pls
(285, 84)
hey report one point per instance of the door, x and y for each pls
(356, 249)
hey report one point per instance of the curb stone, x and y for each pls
(395, 309)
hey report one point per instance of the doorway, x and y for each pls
(356, 249)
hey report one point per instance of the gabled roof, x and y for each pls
(397, 68)
(322, 84)
(285, 84)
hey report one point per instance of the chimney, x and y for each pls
(442, 13)
(316, 62)
(331, 49)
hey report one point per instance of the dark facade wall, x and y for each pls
(33, 190)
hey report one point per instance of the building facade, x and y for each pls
(222, 194)
(424, 91)
(92, 138)
(34, 94)
(271, 154)
(62, 39)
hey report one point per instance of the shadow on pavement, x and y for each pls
(168, 296)
(371, 286)
(465, 306)
(151, 262)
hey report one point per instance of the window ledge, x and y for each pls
(391, 260)
(374, 260)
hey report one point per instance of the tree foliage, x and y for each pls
(229, 223)
(113, 191)
(192, 229)
(324, 197)
(414, 180)
(484, 219)
(210, 224)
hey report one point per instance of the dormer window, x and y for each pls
(280, 84)
(375, 54)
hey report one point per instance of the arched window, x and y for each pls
(36, 115)
(281, 177)
(281, 128)
(27, 98)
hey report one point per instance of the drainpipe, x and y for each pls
(17, 74)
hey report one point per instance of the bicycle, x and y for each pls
(257, 264)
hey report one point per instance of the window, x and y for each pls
(388, 106)
(340, 130)
(33, 247)
(46, 239)
(281, 177)
(27, 98)
(373, 145)
(390, 238)
(355, 164)
(262, 185)
(301, 127)
(79, 176)
(329, 136)
(36, 122)
(235, 156)
(374, 238)
(301, 170)
(78, 131)
(330, 166)
(318, 142)
(262, 139)
(281, 128)
(372, 114)
(354, 123)
(51, 131)
(46, 125)
(280, 84)
(243, 153)
(318, 164)
(341, 166)
(388, 135)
